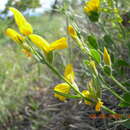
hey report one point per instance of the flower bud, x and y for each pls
(72, 32)
(106, 57)
(98, 105)
(93, 66)
(15, 36)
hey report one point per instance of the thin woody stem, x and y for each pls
(119, 84)
(111, 90)
(62, 77)
(43, 61)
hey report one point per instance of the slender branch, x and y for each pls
(119, 84)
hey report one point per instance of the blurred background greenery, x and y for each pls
(22, 77)
(19, 74)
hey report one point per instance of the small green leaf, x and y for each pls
(107, 70)
(126, 123)
(94, 16)
(126, 97)
(127, 84)
(93, 42)
(108, 40)
(123, 104)
(121, 62)
(95, 55)
(86, 62)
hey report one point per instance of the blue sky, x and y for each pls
(46, 4)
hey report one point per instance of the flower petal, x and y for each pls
(39, 42)
(98, 105)
(69, 73)
(91, 5)
(86, 93)
(14, 35)
(63, 88)
(72, 32)
(106, 57)
(59, 44)
(19, 18)
(24, 27)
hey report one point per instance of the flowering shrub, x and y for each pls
(98, 62)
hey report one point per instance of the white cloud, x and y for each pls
(2, 4)
(46, 4)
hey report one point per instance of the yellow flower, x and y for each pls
(44, 45)
(106, 57)
(63, 88)
(86, 93)
(72, 32)
(58, 44)
(92, 6)
(14, 35)
(98, 105)
(27, 52)
(24, 27)
(69, 73)
(39, 42)
(93, 66)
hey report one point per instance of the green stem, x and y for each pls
(109, 110)
(123, 31)
(111, 90)
(67, 95)
(119, 84)
(43, 61)
(62, 77)
(81, 45)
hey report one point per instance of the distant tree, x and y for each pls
(22, 5)
(61, 3)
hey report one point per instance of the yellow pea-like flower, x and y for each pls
(24, 27)
(63, 88)
(99, 105)
(39, 42)
(86, 93)
(15, 36)
(58, 44)
(69, 73)
(92, 6)
(72, 32)
(19, 18)
(106, 57)
(44, 45)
